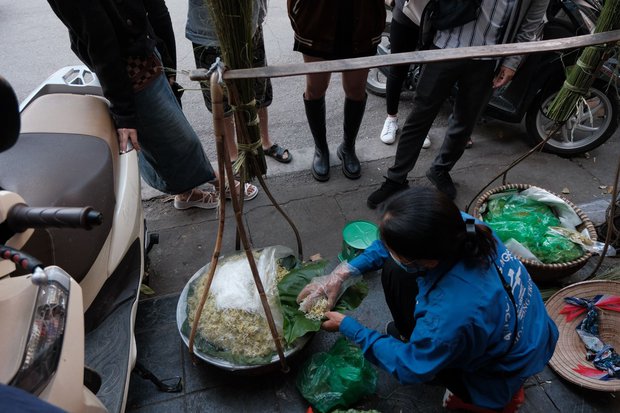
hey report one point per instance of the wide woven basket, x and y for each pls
(570, 351)
(545, 273)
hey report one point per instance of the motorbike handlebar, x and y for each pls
(22, 217)
(20, 258)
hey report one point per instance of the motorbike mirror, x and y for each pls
(9, 116)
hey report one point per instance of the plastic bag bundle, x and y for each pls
(528, 221)
(337, 378)
(602, 355)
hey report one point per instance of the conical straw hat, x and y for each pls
(570, 351)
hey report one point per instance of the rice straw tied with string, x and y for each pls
(570, 99)
(233, 23)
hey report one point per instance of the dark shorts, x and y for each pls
(340, 54)
(343, 33)
(205, 56)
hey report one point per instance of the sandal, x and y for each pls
(278, 153)
(196, 198)
(251, 191)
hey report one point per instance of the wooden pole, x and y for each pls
(420, 56)
(217, 97)
(248, 252)
(225, 170)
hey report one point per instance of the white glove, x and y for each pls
(330, 286)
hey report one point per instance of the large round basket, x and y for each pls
(570, 351)
(545, 273)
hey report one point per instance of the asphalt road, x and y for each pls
(35, 44)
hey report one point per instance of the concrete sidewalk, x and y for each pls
(320, 211)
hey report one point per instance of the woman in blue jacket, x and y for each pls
(466, 313)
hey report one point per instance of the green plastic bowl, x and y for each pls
(356, 237)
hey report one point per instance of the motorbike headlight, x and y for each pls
(45, 337)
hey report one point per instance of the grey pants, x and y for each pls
(473, 79)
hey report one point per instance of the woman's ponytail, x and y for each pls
(478, 244)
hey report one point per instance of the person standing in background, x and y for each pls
(117, 41)
(496, 22)
(200, 30)
(329, 30)
(404, 34)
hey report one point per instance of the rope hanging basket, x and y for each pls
(569, 359)
(540, 272)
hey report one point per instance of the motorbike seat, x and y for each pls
(66, 155)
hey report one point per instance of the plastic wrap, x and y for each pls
(337, 378)
(525, 220)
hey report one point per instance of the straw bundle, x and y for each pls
(581, 76)
(234, 27)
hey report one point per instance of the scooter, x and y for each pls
(537, 82)
(72, 248)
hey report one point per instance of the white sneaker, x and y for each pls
(390, 127)
(427, 143)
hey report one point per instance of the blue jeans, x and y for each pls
(172, 159)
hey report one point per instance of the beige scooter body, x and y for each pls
(67, 156)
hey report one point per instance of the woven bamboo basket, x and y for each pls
(545, 273)
(570, 351)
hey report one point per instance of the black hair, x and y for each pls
(422, 223)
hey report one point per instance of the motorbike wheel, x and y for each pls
(376, 82)
(581, 132)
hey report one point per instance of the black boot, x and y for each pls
(353, 115)
(315, 112)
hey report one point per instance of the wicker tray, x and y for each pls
(545, 273)
(570, 351)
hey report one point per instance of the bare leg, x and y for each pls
(263, 124)
(354, 84)
(316, 83)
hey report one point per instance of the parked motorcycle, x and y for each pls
(537, 82)
(67, 326)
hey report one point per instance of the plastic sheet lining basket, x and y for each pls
(570, 351)
(545, 273)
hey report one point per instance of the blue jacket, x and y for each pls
(465, 320)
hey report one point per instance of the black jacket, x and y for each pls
(104, 33)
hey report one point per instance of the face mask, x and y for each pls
(410, 268)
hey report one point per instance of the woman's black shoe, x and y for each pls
(351, 167)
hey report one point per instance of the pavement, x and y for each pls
(319, 211)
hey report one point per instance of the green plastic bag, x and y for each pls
(337, 378)
(526, 220)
